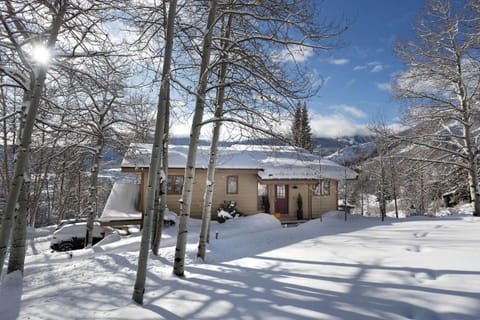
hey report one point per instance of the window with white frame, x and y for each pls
(174, 184)
(322, 188)
(232, 184)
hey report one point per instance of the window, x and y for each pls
(174, 184)
(263, 197)
(322, 188)
(232, 184)
(281, 191)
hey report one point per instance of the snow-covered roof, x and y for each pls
(272, 162)
(122, 203)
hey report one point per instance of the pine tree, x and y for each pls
(306, 129)
(301, 130)
(297, 126)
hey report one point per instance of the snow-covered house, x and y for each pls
(257, 178)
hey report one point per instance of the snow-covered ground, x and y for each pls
(411, 268)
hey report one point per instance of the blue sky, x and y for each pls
(357, 75)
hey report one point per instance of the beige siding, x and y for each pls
(322, 204)
(246, 197)
(301, 189)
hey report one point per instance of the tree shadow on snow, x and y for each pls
(275, 292)
(11, 296)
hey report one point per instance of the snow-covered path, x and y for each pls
(413, 268)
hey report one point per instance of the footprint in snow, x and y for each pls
(420, 234)
(414, 249)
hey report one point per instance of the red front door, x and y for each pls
(281, 198)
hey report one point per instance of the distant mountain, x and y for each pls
(328, 146)
(353, 153)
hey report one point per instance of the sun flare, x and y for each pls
(40, 54)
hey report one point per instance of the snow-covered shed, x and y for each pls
(258, 178)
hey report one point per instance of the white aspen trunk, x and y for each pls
(5, 167)
(470, 148)
(93, 192)
(39, 185)
(163, 190)
(394, 187)
(473, 173)
(61, 195)
(208, 197)
(212, 162)
(179, 262)
(31, 103)
(139, 287)
(156, 206)
(162, 177)
(383, 204)
(16, 259)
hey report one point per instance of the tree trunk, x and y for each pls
(61, 195)
(210, 186)
(93, 193)
(5, 167)
(30, 107)
(179, 262)
(394, 187)
(472, 158)
(139, 287)
(474, 192)
(361, 200)
(383, 204)
(162, 179)
(212, 162)
(38, 187)
(16, 259)
(163, 188)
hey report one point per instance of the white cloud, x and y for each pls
(181, 122)
(373, 66)
(294, 53)
(384, 86)
(397, 127)
(336, 121)
(348, 110)
(357, 68)
(335, 125)
(377, 68)
(338, 62)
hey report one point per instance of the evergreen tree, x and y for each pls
(301, 130)
(306, 129)
(297, 126)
